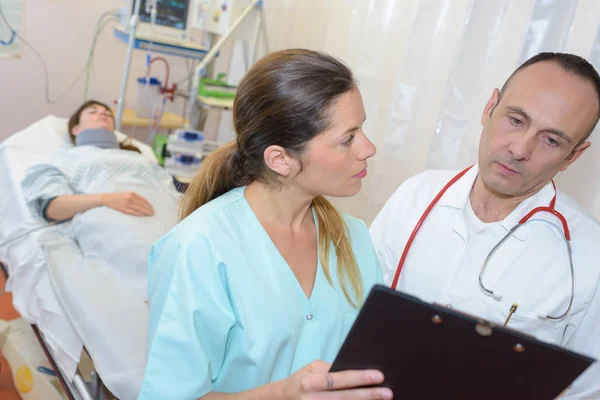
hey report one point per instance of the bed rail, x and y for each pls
(80, 389)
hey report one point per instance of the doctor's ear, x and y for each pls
(279, 160)
(490, 105)
(575, 154)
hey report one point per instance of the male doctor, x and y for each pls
(536, 126)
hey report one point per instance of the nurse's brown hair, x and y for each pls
(285, 99)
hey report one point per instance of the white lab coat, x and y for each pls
(531, 268)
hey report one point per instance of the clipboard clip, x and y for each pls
(484, 329)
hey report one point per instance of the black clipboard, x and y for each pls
(427, 351)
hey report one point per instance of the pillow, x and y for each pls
(50, 133)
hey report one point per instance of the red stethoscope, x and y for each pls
(566, 235)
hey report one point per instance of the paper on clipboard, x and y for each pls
(12, 24)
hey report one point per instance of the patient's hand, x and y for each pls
(129, 203)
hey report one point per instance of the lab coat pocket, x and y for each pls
(544, 329)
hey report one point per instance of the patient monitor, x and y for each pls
(172, 21)
(181, 22)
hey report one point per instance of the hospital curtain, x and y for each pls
(426, 69)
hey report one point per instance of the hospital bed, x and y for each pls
(74, 304)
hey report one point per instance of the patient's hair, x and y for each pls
(285, 99)
(74, 120)
(571, 63)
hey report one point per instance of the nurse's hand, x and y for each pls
(315, 382)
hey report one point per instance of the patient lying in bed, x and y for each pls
(118, 202)
(68, 184)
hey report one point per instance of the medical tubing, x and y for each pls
(489, 256)
(569, 252)
(566, 238)
(45, 67)
(164, 60)
(88, 66)
(553, 212)
(153, 128)
(556, 229)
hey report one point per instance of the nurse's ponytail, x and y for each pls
(284, 100)
(332, 230)
(220, 172)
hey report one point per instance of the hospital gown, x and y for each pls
(227, 314)
(84, 170)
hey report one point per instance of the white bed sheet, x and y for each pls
(43, 294)
(110, 317)
(35, 299)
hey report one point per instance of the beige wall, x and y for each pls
(61, 31)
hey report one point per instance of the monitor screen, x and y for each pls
(169, 13)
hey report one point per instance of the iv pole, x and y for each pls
(133, 23)
(213, 53)
(210, 56)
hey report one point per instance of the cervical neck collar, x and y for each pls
(99, 137)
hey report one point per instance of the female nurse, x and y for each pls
(252, 294)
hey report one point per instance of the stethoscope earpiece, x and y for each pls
(497, 296)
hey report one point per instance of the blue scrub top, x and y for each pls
(227, 313)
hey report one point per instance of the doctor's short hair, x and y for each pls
(286, 100)
(572, 63)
